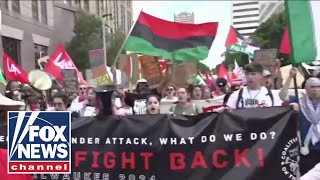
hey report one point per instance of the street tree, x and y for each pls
(88, 36)
(269, 34)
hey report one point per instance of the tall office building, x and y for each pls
(245, 16)
(268, 8)
(248, 15)
(184, 17)
(31, 29)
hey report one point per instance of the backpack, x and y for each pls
(240, 99)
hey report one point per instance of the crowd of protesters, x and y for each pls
(257, 92)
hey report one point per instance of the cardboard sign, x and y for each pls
(70, 80)
(151, 69)
(266, 57)
(98, 67)
(182, 72)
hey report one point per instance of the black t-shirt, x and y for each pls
(138, 101)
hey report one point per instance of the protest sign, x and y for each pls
(151, 69)
(98, 67)
(266, 57)
(70, 80)
(182, 72)
(262, 144)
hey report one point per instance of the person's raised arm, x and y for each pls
(284, 91)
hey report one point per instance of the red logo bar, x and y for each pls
(39, 167)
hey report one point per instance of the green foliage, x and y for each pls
(269, 34)
(88, 36)
(116, 42)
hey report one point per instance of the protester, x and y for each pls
(153, 104)
(77, 104)
(60, 101)
(206, 92)
(13, 90)
(120, 107)
(309, 121)
(91, 106)
(184, 106)
(196, 92)
(254, 94)
(170, 94)
(268, 79)
(50, 94)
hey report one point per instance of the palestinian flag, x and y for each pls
(236, 42)
(304, 30)
(170, 40)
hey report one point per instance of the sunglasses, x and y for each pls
(170, 89)
(82, 88)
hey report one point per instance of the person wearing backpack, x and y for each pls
(254, 94)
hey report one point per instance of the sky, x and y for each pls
(205, 11)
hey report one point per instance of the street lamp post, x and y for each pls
(104, 36)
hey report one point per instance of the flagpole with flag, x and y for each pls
(124, 42)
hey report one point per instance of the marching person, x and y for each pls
(309, 121)
(268, 79)
(77, 104)
(254, 94)
(196, 92)
(91, 106)
(170, 94)
(153, 104)
(184, 106)
(60, 101)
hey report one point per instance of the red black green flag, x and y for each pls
(171, 40)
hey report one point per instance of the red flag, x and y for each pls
(232, 37)
(61, 60)
(285, 47)
(224, 73)
(163, 65)
(12, 71)
(209, 79)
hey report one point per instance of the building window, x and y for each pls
(16, 5)
(246, 10)
(4, 4)
(44, 15)
(102, 7)
(129, 20)
(12, 48)
(129, 3)
(98, 8)
(246, 16)
(246, 3)
(123, 19)
(35, 10)
(77, 3)
(68, 2)
(39, 52)
(116, 15)
(246, 22)
(86, 5)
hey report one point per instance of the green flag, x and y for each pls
(2, 78)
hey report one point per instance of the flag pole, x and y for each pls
(124, 42)
(292, 52)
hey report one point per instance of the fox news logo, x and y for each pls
(39, 142)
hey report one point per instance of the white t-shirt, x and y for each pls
(254, 99)
(76, 105)
(175, 99)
